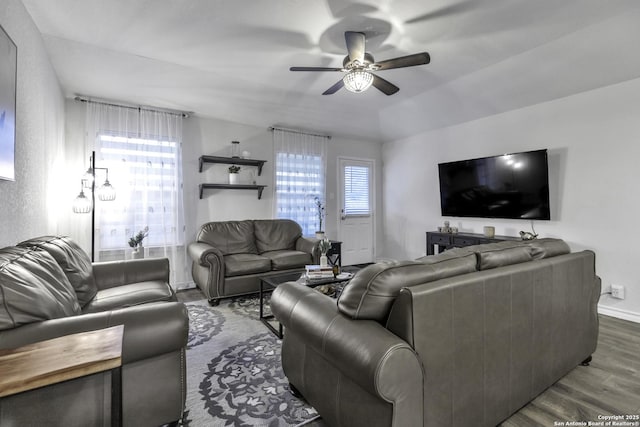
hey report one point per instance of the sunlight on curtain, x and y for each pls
(301, 162)
(142, 150)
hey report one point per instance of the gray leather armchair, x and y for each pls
(49, 288)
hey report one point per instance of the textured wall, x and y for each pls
(30, 205)
(592, 140)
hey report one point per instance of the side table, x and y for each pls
(48, 362)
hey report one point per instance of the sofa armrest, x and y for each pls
(149, 330)
(204, 254)
(363, 350)
(311, 246)
(117, 273)
(208, 268)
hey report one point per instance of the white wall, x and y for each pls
(31, 205)
(207, 136)
(593, 140)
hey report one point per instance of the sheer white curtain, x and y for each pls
(301, 163)
(141, 149)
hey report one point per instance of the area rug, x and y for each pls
(234, 374)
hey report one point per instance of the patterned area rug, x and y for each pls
(234, 373)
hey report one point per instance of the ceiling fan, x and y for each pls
(359, 66)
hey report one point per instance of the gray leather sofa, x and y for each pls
(50, 288)
(464, 338)
(229, 257)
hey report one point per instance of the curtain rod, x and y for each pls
(184, 114)
(272, 128)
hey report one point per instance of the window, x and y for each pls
(356, 191)
(145, 172)
(299, 180)
(300, 162)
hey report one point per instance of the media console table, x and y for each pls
(457, 240)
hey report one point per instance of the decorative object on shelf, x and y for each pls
(233, 174)
(106, 193)
(324, 246)
(135, 242)
(320, 214)
(245, 154)
(525, 235)
(446, 228)
(489, 231)
(235, 149)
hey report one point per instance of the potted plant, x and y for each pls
(320, 214)
(136, 242)
(324, 246)
(233, 174)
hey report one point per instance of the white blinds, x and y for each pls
(357, 200)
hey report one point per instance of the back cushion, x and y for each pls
(230, 237)
(372, 291)
(75, 263)
(276, 234)
(33, 288)
(547, 248)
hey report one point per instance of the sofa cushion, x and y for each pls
(129, 296)
(75, 263)
(372, 291)
(446, 255)
(241, 264)
(285, 260)
(276, 234)
(493, 255)
(33, 288)
(230, 237)
(547, 248)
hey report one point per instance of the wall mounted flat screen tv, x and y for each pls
(514, 186)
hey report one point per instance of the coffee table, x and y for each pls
(269, 283)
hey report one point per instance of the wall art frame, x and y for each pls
(8, 82)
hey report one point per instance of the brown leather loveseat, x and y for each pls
(464, 338)
(229, 257)
(49, 288)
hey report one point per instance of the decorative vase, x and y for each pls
(320, 235)
(323, 260)
(138, 252)
(233, 178)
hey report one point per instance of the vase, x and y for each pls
(233, 178)
(138, 252)
(323, 261)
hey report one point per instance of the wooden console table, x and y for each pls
(457, 240)
(65, 358)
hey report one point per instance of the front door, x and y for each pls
(355, 226)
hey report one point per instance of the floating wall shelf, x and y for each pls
(232, 161)
(233, 187)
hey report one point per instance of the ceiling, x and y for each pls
(230, 59)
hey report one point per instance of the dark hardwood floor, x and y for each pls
(609, 386)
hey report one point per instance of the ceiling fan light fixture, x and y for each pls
(357, 80)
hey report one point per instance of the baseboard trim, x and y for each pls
(619, 314)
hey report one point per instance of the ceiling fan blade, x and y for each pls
(404, 61)
(314, 69)
(355, 45)
(333, 89)
(384, 86)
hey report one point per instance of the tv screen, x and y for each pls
(514, 186)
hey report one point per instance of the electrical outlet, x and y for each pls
(617, 291)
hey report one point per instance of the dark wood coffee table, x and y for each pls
(269, 283)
